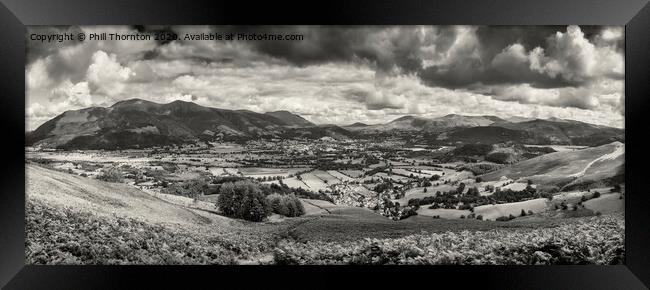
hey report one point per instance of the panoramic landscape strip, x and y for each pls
(140, 159)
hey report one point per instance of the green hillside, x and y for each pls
(569, 168)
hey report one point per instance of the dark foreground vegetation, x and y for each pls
(64, 236)
(595, 240)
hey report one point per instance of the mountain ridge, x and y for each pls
(136, 123)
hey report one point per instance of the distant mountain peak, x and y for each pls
(408, 118)
(358, 124)
(130, 102)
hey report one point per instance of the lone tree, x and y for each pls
(523, 213)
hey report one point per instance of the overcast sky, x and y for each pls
(342, 75)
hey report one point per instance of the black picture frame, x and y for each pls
(15, 15)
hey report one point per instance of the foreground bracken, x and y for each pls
(66, 236)
(59, 235)
(595, 240)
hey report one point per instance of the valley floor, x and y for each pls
(77, 220)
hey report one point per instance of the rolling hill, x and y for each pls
(567, 132)
(412, 123)
(58, 189)
(501, 153)
(458, 129)
(543, 132)
(569, 169)
(356, 125)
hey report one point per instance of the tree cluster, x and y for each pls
(286, 205)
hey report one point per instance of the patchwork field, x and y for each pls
(259, 172)
(340, 176)
(443, 212)
(405, 172)
(418, 192)
(352, 173)
(326, 177)
(498, 210)
(320, 207)
(293, 182)
(313, 182)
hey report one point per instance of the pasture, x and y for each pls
(260, 172)
(443, 212)
(313, 182)
(340, 176)
(606, 203)
(492, 212)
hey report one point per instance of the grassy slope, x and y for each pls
(68, 215)
(565, 167)
(492, 212)
(606, 203)
(345, 224)
(107, 199)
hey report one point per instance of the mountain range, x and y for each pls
(139, 123)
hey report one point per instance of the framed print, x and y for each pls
(441, 141)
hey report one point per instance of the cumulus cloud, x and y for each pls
(76, 95)
(37, 76)
(343, 74)
(382, 100)
(568, 56)
(105, 75)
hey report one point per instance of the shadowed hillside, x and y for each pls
(138, 123)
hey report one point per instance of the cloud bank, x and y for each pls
(342, 74)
